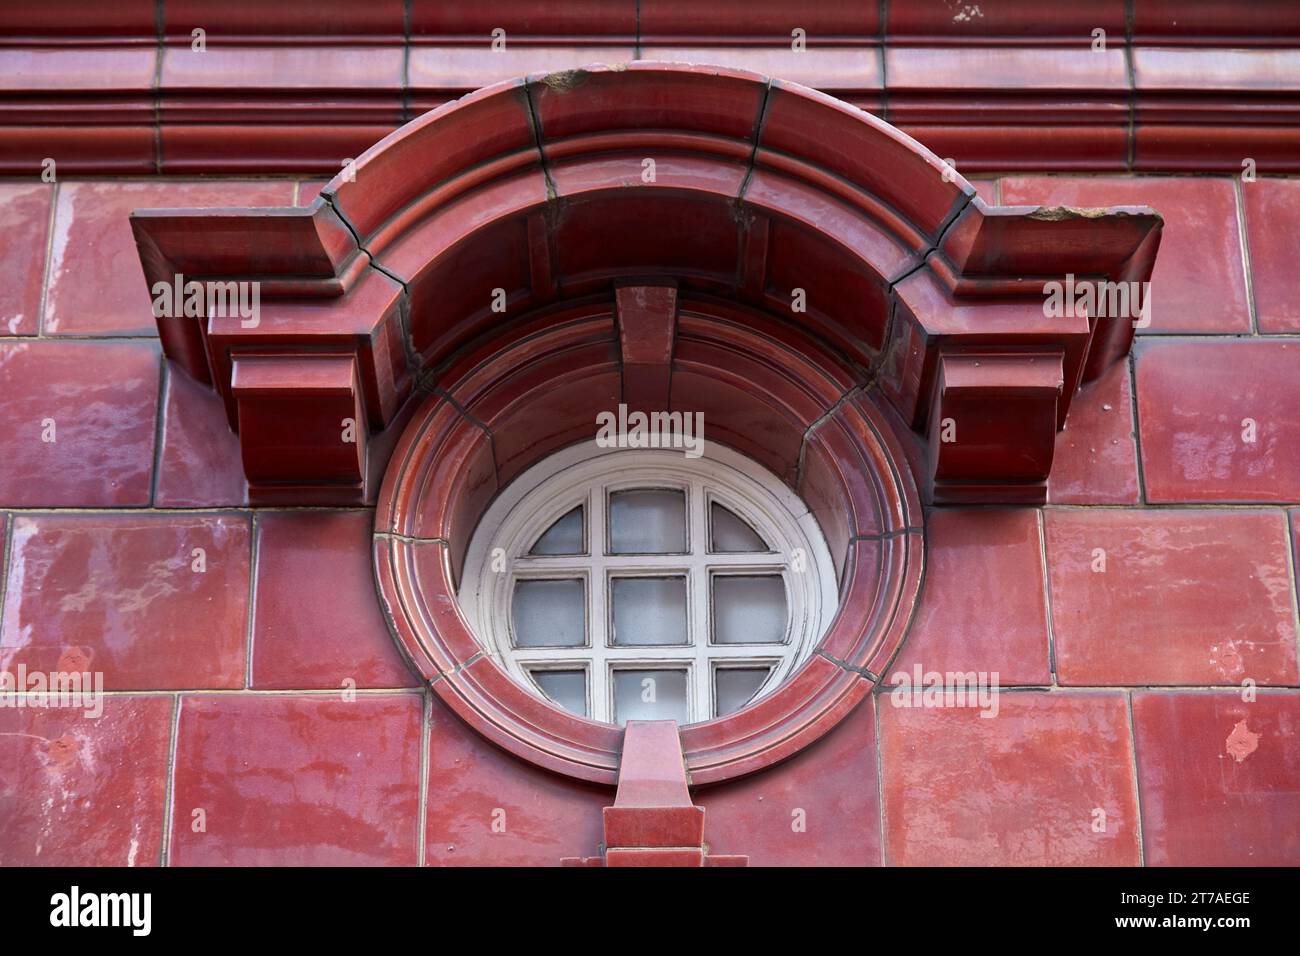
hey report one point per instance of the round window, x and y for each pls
(644, 584)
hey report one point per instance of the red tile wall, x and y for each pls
(266, 692)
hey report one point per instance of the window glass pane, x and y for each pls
(734, 686)
(550, 613)
(649, 611)
(731, 533)
(563, 537)
(647, 521)
(649, 695)
(748, 609)
(566, 688)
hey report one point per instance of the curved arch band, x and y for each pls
(543, 190)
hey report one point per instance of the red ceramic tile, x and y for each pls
(1023, 788)
(1220, 778)
(486, 807)
(459, 69)
(1199, 283)
(199, 465)
(79, 423)
(96, 284)
(84, 790)
(850, 69)
(1200, 404)
(24, 241)
(523, 17)
(767, 18)
(1171, 597)
(317, 621)
(121, 594)
(297, 781)
(819, 808)
(309, 189)
(287, 68)
(1272, 209)
(1096, 458)
(986, 189)
(993, 559)
(245, 17)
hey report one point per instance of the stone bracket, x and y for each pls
(992, 427)
(302, 428)
(653, 821)
(647, 317)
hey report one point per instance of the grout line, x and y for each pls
(49, 261)
(252, 601)
(1047, 597)
(1137, 786)
(426, 724)
(1131, 358)
(164, 855)
(1291, 543)
(164, 390)
(1244, 239)
(297, 188)
(332, 693)
(10, 518)
(880, 776)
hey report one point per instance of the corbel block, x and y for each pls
(647, 318)
(302, 427)
(992, 427)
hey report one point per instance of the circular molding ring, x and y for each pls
(432, 476)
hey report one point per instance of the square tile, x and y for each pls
(1171, 597)
(96, 284)
(79, 423)
(1047, 782)
(1220, 778)
(983, 606)
(297, 781)
(79, 790)
(317, 621)
(488, 808)
(1096, 456)
(1199, 282)
(1272, 209)
(1217, 420)
(819, 808)
(199, 465)
(154, 602)
(24, 242)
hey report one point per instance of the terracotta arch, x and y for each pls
(726, 183)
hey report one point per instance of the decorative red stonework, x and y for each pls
(653, 821)
(766, 389)
(534, 193)
(1012, 85)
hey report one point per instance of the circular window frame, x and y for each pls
(442, 475)
(578, 476)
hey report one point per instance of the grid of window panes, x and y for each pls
(649, 603)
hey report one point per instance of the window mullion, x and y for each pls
(698, 596)
(598, 605)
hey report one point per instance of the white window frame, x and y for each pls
(585, 475)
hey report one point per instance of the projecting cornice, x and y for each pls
(534, 192)
(1143, 85)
